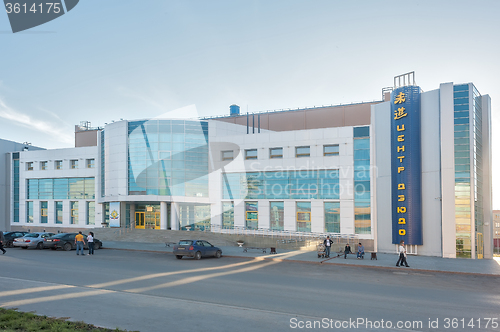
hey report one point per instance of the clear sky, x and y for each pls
(130, 59)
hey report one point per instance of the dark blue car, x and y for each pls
(196, 249)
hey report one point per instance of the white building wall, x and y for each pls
(447, 170)
(51, 156)
(487, 180)
(316, 139)
(116, 165)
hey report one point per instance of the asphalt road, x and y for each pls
(155, 292)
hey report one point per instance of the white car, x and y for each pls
(32, 240)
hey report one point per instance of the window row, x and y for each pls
(277, 216)
(61, 188)
(277, 153)
(58, 209)
(331, 210)
(58, 164)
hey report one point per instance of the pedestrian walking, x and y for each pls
(402, 255)
(347, 250)
(90, 243)
(2, 239)
(80, 242)
(328, 246)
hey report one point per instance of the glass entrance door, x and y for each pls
(139, 220)
(152, 220)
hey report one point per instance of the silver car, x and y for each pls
(32, 240)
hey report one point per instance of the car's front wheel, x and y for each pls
(178, 256)
(218, 254)
(67, 246)
(197, 255)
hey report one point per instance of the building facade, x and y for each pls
(343, 170)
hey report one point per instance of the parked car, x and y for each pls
(32, 240)
(10, 236)
(66, 241)
(196, 249)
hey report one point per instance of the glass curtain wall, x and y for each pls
(468, 169)
(168, 157)
(362, 205)
(61, 188)
(298, 184)
(462, 171)
(15, 157)
(103, 179)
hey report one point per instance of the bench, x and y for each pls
(264, 250)
(341, 253)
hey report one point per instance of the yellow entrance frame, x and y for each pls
(140, 217)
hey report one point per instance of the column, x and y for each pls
(163, 215)
(174, 216)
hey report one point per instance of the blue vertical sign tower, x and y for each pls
(406, 166)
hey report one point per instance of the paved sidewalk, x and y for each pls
(386, 261)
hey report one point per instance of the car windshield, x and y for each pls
(32, 235)
(185, 243)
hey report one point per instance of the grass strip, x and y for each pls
(15, 321)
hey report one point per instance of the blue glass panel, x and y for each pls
(461, 94)
(361, 131)
(461, 87)
(361, 144)
(461, 121)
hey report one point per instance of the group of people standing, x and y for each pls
(80, 243)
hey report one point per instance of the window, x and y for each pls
(251, 215)
(251, 154)
(74, 213)
(29, 166)
(90, 163)
(227, 155)
(277, 216)
(59, 212)
(331, 150)
(228, 215)
(332, 217)
(74, 163)
(43, 165)
(302, 151)
(29, 212)
(303, 216)
(58, 164)
(275, 153)
(361, 132)
(91, 213)
(44, 212)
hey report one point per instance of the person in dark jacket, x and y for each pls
(347, 250)
(2, 239)
(328, 246)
